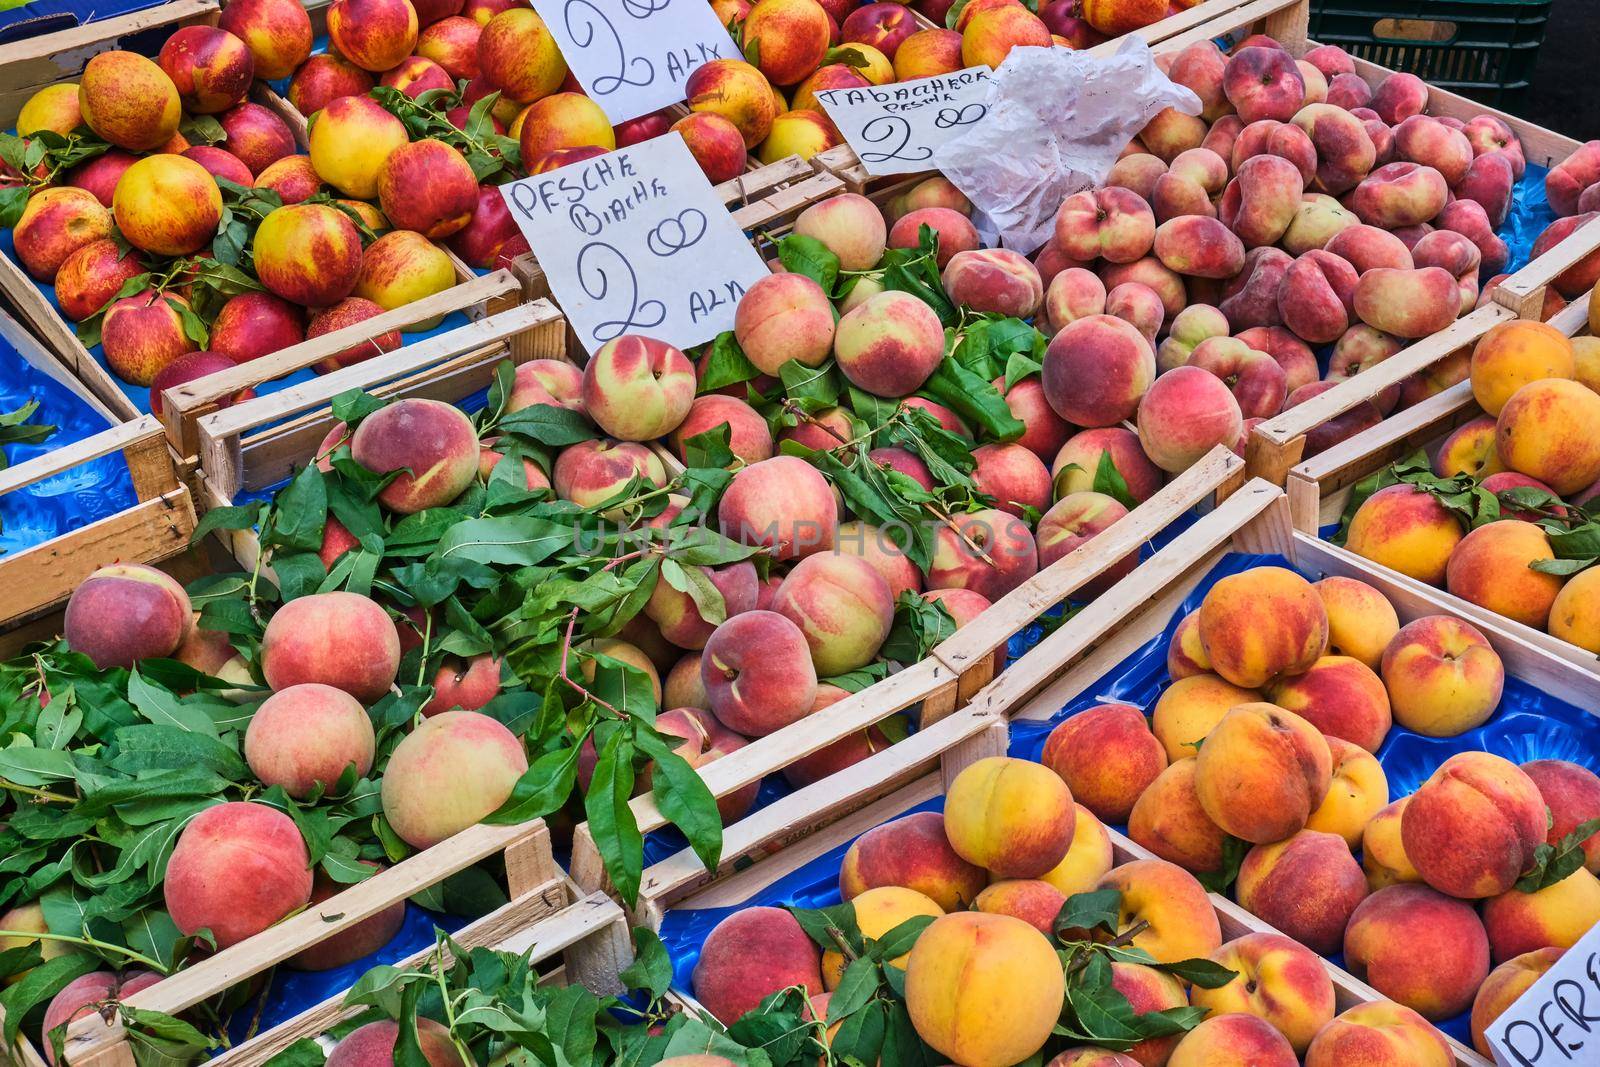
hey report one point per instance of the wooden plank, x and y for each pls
(1523, 292)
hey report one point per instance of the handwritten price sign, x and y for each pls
(895, 128)
(636, 241)
(633, 56)
(1553, 1021)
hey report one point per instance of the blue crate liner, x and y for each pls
(87, 492)
(39, 17)
(1528, 725)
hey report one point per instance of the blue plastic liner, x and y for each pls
(66, 501)
(1528, 725)
(50, 16)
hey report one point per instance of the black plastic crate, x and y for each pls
(1485, 50)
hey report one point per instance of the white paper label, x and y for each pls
(633, 56)
(1556, 1020)
(636, 241)
(895, 128)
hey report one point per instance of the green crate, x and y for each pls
(1484, 49)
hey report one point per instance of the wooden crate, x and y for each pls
(795, 831)
(37, 580)
(946, 679)
(251, 447)
(540, 893)
(1320, 488)
(29, 65)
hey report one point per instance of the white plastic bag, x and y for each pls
(1057, 120)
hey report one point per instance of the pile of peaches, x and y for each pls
(1262, 748)
(1536, 439)
(1304, 218)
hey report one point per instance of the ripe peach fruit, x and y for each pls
(1096, 369)
(1358, 791)
(293, 178)
(637, 389)
(1076, 465)
(1472, 827)
(374, 1044)
(84, 994)
(431, 442)
(167, 205)
(914, 852)
(1514, 354)
(1010, 816)
(447, 774)
(751, 954)
(1168, 820)
(348, 312)
(1554, 917)
(843, 607)
(1380, 1032)
(142, 335)
(1306, 885)
(1491, 567)
(257, 136)
(1501, 989)
(126, 612)
(1241, 647)
(211, 68)
(990, 552)
(850, 225)
(928, 53)
(1278, 981)
(1361, 621)
(879, 911)
(1191, 707)
(375, 35)
(787, 316)
(1572, 794)
(1186, 413)
(309, 254)
(1406, 529)
(306, 735)
(1183, 924)
(56, 223)
(340, 639)
(735, 90)
(54, 108)
(1262, 771)
(1383, 853)
(351, 138)
(277, 32)
(758, 673)
(1107, 756)
(91, 275)
(403, 266)
(984, 990)
(1419, 948)
(953, 229)
(236, 869)
(427, 186)
(1541, 434)
(1340, 696)
(782, 503)
(128, 100)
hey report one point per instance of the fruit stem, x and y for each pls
(88, 942)
(42, 794)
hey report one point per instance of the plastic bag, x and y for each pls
(1057, 121)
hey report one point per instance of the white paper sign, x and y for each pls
(1558, 1019)
(894, 128)
(636, 241)
(633, 56)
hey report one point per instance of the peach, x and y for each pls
(416, 75)
(1406, 529)
(211, 68)
(374, 1044)
(591, 473)
(1517, 354)
(748, 435)
(142, 335)
(1572, 794)
(1553, 917)
(914, 852)
(85, 994)
(427, 186)
(1140, 173)
(682, 687)
(1199, 67)
(758, 674)
(1116, 17)
(547, 381)
(375, 35)
(1380, 1032)
(1075, 520)
(490, 230)
(1340, 696)
(783, 504)
(236, 869)
(101, 174)
(1400, 96)
(452, 43)
(1168, 820)
(1182, 923)
(788, 37)
(1088, 858)
(432, 443)
(1492, 567)
(1306, 885)
(954, 231)
(1078, 462)
(1293, 355)
(1399, 194)
(984, 990)
(306, 735)
(1186, 656)
(447, 774)
(1231, 610)
(258, 137)
(1471, 828)
(834, 758)
(1223, 135)
(928, 53)
(293, 178)
(787, 317)
(1443, 676)
(1346, 152)
(1035, 902)
(1147, 989)
(1262, 200)
(1111, 223)
(1046, 431)
(126, 612)
(128, 100)
(1148, 271)
(348, 312)
(1420, 948)
(308, 254)
(277, 32)
(989, 552)
(351, 139)
(1540, 434)
(850, 225)
(1383, 854)
(1074, 293)
(994, 281)
(467, 685)
(562, 120)
(1277, 981)
(751, 954)
(1580, 277)
(890, 344)
(1361, 621)
(736, 91)
(1366, 247)
(55, 223)
(1319, 219)
(403, 266)
(1262, 771)
(91, 275)
(638, 389)
(518, 55)
(1011, 816)
(167, 205)
(1107, 756)
(1096, 369)
(339, 639)
(1268, 137)
(842, 605)
(1187, 412)
(54, 108)
(882, 26)
(1501, 989)
(1469, 449)
(874, 545)
(1013, 476)
(1170, 133)
(1568, 179)
(1200, 247)
(1257, 381)
(877, 912)
(1193, 325)
(1263, 83)
(1358, 791)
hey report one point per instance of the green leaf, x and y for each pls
(1552, 864)
(974, 399)
(683, 797)
(302, 1053)
(802, 254)
(710, 448)
(1221, 880)
(899, 940)
(1201, 972)
(549, 425)
(163, 708)
(611, 821)
(696, 582)
(860, 981)
(651, 969)
(1109, 482)
(725, 365)
(1099, 909)
(510, 541)
(542, 790)
(813, 388)
(827, 926)
(39, 985)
